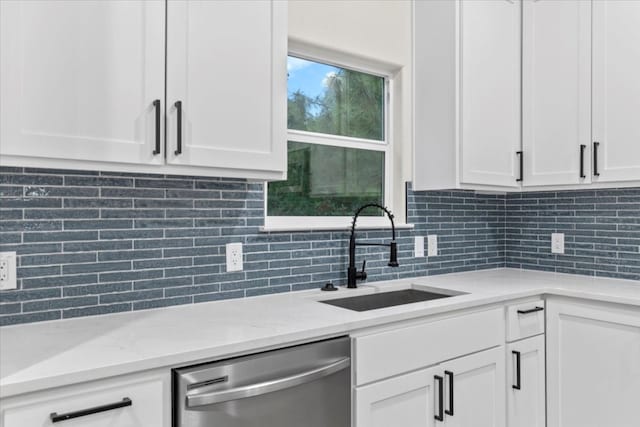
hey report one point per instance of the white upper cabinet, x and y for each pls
(556, 92)
(616, 90)
(83, 86)
(489, 91)
(549, 83)
(78, 80)
(466, 57)
(227, 65)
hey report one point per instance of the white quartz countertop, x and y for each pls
(50, 354)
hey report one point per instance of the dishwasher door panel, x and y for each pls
(307, 385)
(316, 404)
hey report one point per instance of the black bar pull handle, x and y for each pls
(178, 105)
(440, 415)
(56, 418)
(517, 385)
(582, 148)
(450, 375)
(596, 145)
(521, 155)
(156, 107)
(531, 310)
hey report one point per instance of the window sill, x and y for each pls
(290, 228)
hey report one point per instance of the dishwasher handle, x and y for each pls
(203, 399)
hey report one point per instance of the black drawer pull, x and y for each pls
(596, 145)
(450, 375)
(440, 415)
(517, 385)
(178, 105)
(55, 417)
(521, 155)
(156, 106)
(582, 148)
(531, 310)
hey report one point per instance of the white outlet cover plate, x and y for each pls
(432, 245)
(419, 246)
(557, 243)
(234, 256)
(8, 271)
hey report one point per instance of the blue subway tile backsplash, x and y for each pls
(92, 243)
(601, 227)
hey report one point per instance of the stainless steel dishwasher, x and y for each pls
(307, 385)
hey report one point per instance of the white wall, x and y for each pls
(379, 30)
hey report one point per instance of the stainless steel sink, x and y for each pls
(386, 299)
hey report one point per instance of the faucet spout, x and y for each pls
(352, 274)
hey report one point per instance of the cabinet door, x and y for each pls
(556, 92)
(526, 385)
(226, 64)
(489, 91)
(407, 400)
(593, 365)
(137, 400)
(79, 78)
(616, 89)
(478, 383)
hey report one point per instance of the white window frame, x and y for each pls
(341, 60)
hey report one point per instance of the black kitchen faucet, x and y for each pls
(352, 274)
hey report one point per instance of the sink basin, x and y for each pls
(385, 299)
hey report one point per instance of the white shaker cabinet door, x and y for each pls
(526, 383)
(407, 400)
(556, 92)
(593, 365)
(135, 400)
(478, 396)
(616, 90)
(226, 86)
(78, 80)
(489, 91)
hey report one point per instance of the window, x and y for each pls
(338, 147)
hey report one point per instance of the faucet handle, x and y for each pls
(362, 275)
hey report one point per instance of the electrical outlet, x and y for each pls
(419, 246)
(557, 243)
(432, 245)
(234, 256)
(8, 271)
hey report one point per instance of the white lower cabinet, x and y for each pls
(474, 390)
(442, 371)
(526, 383)
(411, 376)
(593, 364)
(407, 400)
(141, 400)
(461, 392)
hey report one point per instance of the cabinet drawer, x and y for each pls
(149, 396)
(384, 354)
(525, 319)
